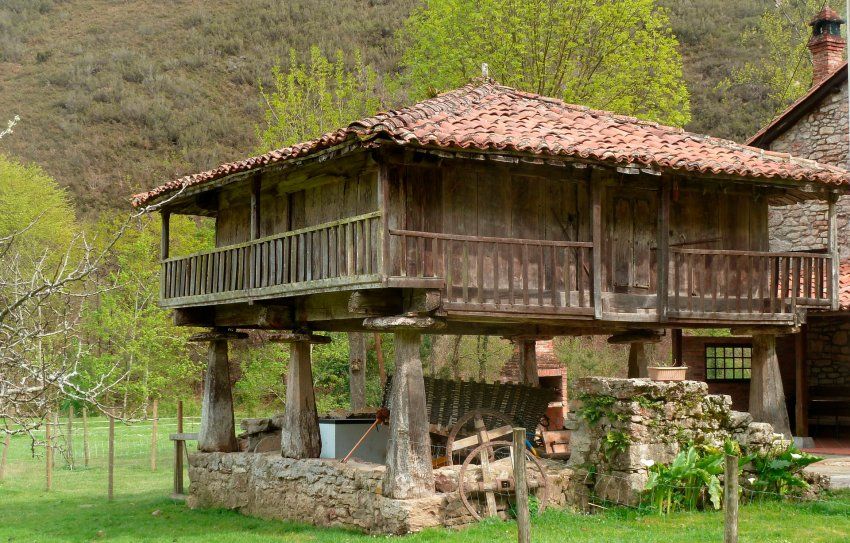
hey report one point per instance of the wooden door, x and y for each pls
(633, 233)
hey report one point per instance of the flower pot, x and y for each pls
(668, 373)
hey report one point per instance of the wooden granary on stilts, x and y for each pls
(487, 210)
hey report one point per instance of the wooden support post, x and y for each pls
(801, 411)
(178, 454)
(299, 436)
(218, 429)
(7, 442)
(357, 370)
(86, 437)
(409, 473)
(69, 438)
(663, 252)
(527, 360)
(154, 433)
(596, 235)
(638, 361)
(111, 460)
(730, 499)
(165, 234)
(256, 185)
(523, 516)
(678, 345)
(767, 397)
(834, 250)
(164, 249)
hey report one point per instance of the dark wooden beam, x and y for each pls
(256, 186)
(272, 317)
(165, 235)
(834, 253)
(663, 252)
(596, 236)
(801, 396)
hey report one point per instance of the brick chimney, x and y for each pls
(826, 44)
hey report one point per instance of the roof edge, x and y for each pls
(782, 122)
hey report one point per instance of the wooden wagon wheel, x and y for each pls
(481, 434)
(489, 485)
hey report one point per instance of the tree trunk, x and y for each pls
(454, 360)
(379, 355)
(218, 430)
(409, 473)
(767, 397)
(299, 437)
(357, 370)
(482, 357)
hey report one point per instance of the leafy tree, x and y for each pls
(609, 54)
(126, 327)
(780, 65)
(315, 97)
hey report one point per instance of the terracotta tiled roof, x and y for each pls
(486, 116)
(800, 107)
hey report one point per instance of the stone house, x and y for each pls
(815, 363)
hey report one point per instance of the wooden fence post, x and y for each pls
(178, 453)
(154, 434)
(523, 520)
(48, 452)
(730, 499)
(6, 444)
(69, 438)
(86, 436)
(111, 459)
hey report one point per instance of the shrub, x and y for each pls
(689, 483)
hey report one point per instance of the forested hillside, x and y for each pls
(118, 95)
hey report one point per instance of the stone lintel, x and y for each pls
(298, 337)
(401, 323)
(217, 335)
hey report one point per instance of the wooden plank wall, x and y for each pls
(489, 201)
(327, 199)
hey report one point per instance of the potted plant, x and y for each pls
(667, 372)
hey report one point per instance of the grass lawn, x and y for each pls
(77, 510)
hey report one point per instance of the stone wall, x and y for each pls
(651, 421)
(829, 351)
(330, 493)
(820, 135)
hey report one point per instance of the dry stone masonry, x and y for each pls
(624, 423)
(820, 135)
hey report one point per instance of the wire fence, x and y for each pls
(487, 480)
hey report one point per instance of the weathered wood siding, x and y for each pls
(284, 208)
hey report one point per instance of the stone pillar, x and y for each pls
(357, 370)
(767, 397)
(299, 436)
(218, 429)
(409, 473)
(528, 362)
(638, 361)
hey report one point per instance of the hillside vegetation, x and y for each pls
(118, 95)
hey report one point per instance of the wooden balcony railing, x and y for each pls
(487, 273)
(705, 281)
(319, 254)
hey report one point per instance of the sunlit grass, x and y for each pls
(77, 510)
